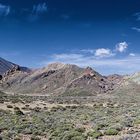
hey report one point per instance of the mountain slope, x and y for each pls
(57, 79)
(5, 66)
(134, 78)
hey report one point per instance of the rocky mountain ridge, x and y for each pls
(57, 79)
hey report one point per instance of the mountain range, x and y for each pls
(59, 79)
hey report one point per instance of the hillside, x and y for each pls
(63, 101)
(58, 79)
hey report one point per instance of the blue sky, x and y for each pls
(102, 34)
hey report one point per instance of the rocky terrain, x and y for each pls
(66, 102)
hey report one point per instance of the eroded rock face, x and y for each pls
(48, 73)
(116, 80)
(12, 70)
(92, 82)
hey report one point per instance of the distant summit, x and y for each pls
(6, 66)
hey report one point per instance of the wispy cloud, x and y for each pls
(136, 29)
(121, 47)
(103, 60)
(67, 56)
(41, 8)
(92, 51)
(125, 65)
(37, 12)
(137, 15)
(4, 10)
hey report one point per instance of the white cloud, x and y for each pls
(104, 65)
(132, 54)
(136, 29)
(4, 10)
(102, 52)
(121, 47)
(104, 60)
(40, 8)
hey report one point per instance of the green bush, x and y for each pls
(18, 111)
(35, 138)
(95, 134)
(111, 132)
(81, 129)
(73, 135)
(137, 121)
(67, 132)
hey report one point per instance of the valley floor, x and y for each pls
(114, 116)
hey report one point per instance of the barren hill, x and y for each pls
(56, 78)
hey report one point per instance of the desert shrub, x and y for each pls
(61, 108)
(7, 135)
(1, 101)
(27, 105)
(37, 109)
(15, 100)
(17, 111)
(73, 135)
(111, 131)
(38, 131)
(17, 138)
(46, 108)
(128, 123)
(100, 126)
(35, 138)
(66, 132)
(81, 129)
(73, 107)
(27, 131)
(24, 128)
(9, 106)
(137, 121)
(25, 108)
(57, 108)
(118, 127)
(95, 134)
(54, 109)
